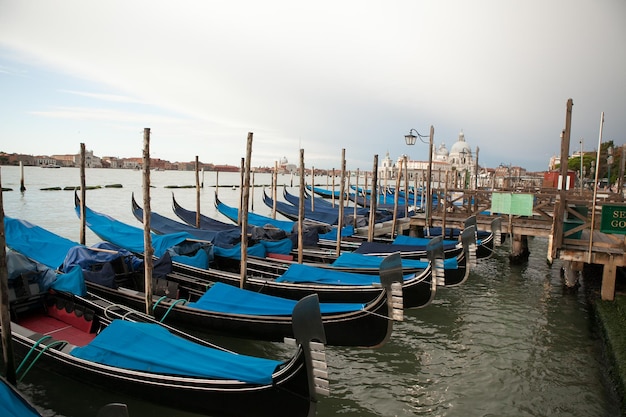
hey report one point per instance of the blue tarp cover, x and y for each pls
(129, 237)
(379, 247)
(306, 273)
(226, 298)
(36, 243)
(255, 219)
(283, 246)
(12, 404)
(421, 241)
(165, 225)
(152, 348)
(332, 235)
(356, 260)
(235, 251)
(45, 277)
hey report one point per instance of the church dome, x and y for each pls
(442, 150)
(461, 146)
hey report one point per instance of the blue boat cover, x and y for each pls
(132, 239)
(12, 404)
(129, 237)
(36, 243)
(226, 298)
(45, 277)
(358, 260)
(164, 225)
(380, 247)
(421, 241)
(256, 219)
(235, 251)
(332, 235)
(152, 348)
(288, 226)
(307, 273)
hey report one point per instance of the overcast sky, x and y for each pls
(318, 75)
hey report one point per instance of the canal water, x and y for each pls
(508, 342)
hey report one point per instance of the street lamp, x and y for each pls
(410, 140)
(581, 166)
(609, 161)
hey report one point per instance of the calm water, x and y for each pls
(509, 342)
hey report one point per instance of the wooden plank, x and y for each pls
(607, 292)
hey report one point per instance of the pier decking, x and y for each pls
(564, 217)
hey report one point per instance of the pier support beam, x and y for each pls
(519, 249)
(571, 273)
(608, 280)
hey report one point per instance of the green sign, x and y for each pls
(517, 204)
(613, 219)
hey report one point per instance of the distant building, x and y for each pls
(458, 165)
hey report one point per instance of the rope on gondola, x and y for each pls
(34, 348)
(181, 300)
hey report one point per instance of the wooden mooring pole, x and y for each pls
(147, 237)
(197, 192)
(83, 194)
(8, 360)
(245, 198)
(22, 186)
(301, 211)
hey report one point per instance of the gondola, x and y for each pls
(273, 263)
(14, 404)
(96, 342)
(325, 215)
(459, 256)
(417, 289)
(210, 307)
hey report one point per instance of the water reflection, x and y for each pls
(508, 342)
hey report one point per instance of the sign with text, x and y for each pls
(517, 204)
(613, 219)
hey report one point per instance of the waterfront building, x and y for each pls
(458, 165)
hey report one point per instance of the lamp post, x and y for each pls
(410, 140)
(581, 166)
(609, 161)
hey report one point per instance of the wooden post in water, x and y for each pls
(312, 188)
(22, 187)
(561, 208)
(395, 200)
(148, 250)
(245, 197)
(5, 314)
(620, 178)
(301, 210)
(274, 189)
(197, 192)
(445, 207)
(217, 182)
(241, 170)
(333, 193)
(406, 186)
(595, 188)
(373, 201)
(341, 203)
(429, 191)
(83, 194)
(356, 197)
(252, 193)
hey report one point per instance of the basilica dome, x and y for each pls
(442, 150)
(461, 146)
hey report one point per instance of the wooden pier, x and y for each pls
(564, 217)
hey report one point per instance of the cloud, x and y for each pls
(329, 75)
